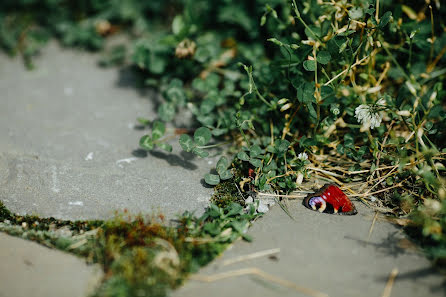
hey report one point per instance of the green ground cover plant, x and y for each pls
(348, 91)
(140, 256)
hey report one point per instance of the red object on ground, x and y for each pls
(251, 173)
(330, 199)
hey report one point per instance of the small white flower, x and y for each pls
(262, 207)
(404, 113)
(381, 102)
(249, 200)
(335, 110)
(369, 115)
(302, 156)
(411, 88)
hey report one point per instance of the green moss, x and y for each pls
(140, 256)
(226, 193)
(5, 214)
(45, 224)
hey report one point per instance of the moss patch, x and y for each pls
(226, 193)
(141, 256)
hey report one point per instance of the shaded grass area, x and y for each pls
(140, 256)
(427, 228)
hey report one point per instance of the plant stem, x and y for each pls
(431, 54)
(409, 64)
(393, 58)
(345, 70)
(296, 11)
(377, 11)
(261, 97)
(316, 91)
(214, 145)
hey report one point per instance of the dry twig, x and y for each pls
(259, 273)
(388, 288)
(371, 226)
(251, 256)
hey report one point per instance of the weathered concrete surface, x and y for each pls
(327, 253)
(68, 146)
(29, 269)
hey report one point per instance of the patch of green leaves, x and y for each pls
(279, 147)
(148, 142)
(385, 19)
(223, 173)
(196, 145)
(310, 65)
(253, 155)
(323, 57)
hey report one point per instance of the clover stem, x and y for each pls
(214, 145)
(296, 11)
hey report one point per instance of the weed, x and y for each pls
(226, 193)
(140, 256)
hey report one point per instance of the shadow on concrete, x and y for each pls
(131, 77)
(174, 160)
(187, 156)
(204, 184)
(391, 246)
(139, 153)
(139, 127)
(418, 275)
(387, 246)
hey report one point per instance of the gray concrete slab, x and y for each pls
(29, 269)
(327, 253)
(68, 143)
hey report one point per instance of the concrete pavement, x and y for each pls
(29, 269)
(69, 146)
(330, 254)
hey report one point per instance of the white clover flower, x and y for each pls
(302, 156)
(369, 115)
(335, 110)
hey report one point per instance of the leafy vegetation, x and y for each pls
(140, 256)
(347, 90)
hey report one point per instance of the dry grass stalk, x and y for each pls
(251, 256)
(77, 244)
(388, 288)
(260, 273)
(380, 181)
(282, 195)
(373, 225)
(399, 185)
(345, 70)
(325, 171)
